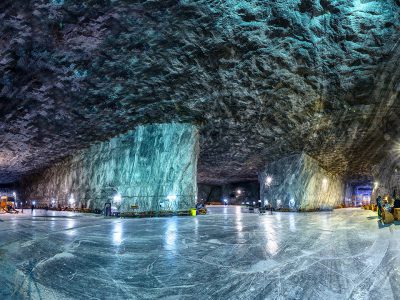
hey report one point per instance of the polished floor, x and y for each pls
(228, 254)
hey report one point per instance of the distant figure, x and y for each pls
(396, 203)
(32, 207)
(379, 203)
(387, 206)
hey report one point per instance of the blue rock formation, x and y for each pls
(298, 182)
(153, 167)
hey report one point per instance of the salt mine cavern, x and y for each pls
(204, 149)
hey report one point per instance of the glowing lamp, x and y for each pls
(171, 197)
(117, 198)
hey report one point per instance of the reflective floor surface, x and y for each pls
(227, 254)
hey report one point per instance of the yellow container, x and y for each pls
(193, 212)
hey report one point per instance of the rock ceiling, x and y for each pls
(262, 79)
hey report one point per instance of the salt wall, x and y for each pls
(386, 176)
(153, 167)
(298, 182)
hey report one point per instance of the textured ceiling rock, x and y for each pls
(262, 79)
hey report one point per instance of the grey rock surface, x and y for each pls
(262, 79)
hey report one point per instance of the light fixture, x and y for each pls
(291, 203)
(268, 180)
(171, 197)
(117, 197)
(71, 199)
(33, 202)
(239, 192)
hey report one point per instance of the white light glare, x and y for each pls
(376, 184)
(268, 180)
(118, 198)
(171, 197)
(33, 202)
(71, 199)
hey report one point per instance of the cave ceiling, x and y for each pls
(261, 79)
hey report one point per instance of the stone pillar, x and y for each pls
(298, 182)
(154, 167)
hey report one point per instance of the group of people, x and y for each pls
(388, 204)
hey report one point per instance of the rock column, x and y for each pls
(153, 167)
(298, 182)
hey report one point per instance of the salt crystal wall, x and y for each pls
(153, 167)
(298, 182)
(386, 175)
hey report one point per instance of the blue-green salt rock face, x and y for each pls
(153, 167)
(298, 182)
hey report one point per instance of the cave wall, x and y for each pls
(298, 182)
(209, 193)
(249, 192)
(386, 176)
(147, 167)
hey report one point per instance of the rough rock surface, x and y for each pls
(298, 182)
(154, 167)
(262, 79)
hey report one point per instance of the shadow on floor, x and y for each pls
(381, 225)
(372, 218)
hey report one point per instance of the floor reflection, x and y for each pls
(117, 233)
(170, 235)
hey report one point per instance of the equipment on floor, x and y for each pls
(387, 217)
(7, 204)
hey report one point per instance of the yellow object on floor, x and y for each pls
(396, 214)
(387, 218)
(193, 212)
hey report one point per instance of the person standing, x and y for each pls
(379, 203)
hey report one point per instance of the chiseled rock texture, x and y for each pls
(145, 166)
(262, 79)
(298, 182)
(387, 175)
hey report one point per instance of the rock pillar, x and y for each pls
(153, 167)
(298, 182)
